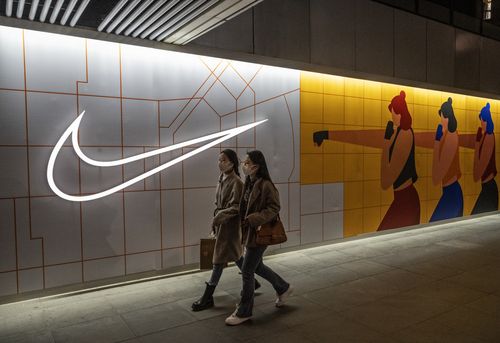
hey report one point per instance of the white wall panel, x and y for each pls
(54, 62)
(102, 227)
(13, 172)
(103, 69)
(160, 74)
(163, 98)
(58, 222)
(11, 58)
(13, 118)
(7, 236)
(142, 221)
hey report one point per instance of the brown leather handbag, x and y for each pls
(271, 233)
(207, 246)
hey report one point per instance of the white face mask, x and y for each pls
(249, 170)
(225, 166)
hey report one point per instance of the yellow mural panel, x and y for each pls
(354, 88)
(353, 167)
(389, 91)
(386, 196)
(333, 168)
(354, 114)
(421, 186)
(371, 219)
(311, 82)
(420, 97)
(353, 111)
(353, 149)
(433, 117)
(435, 98)
(467, 162)
(372, 113)
(420, 118)
(311, 107)
(372, 90)
(431, 205)
(371, 193)
(311, 169)
(371, 167)
(353, 222)
(333, 109)
(459, 102)
(421, 161)
(433, 191)
(334, 85)
(353, 195)
(460, 115)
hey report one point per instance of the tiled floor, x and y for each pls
(437, 284)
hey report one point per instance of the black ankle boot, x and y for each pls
(206, 300)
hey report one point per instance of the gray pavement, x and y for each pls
(434, 284)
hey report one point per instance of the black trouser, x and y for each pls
(488, 198)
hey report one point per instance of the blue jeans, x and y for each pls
(216, 274)
(250, 264)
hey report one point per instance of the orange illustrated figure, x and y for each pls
(446, 166)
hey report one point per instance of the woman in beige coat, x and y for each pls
(225, 225)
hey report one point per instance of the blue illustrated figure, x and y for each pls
(485, 168)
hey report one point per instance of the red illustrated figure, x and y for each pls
(397, 167)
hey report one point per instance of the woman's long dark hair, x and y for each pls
(233, 158)
(446, 111)
(257, 157)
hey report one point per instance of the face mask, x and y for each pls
(248, 170)
(225, 167)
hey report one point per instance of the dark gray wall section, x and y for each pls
(374, 38)
(440, 54)
(333, 23)
(282, 29)
(363, 37)
(467, 50)
(234, 35)
(410, 48)
(490, 66)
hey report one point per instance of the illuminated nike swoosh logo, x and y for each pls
(72, 130)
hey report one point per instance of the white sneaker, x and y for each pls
(280, 300)
(233, 319)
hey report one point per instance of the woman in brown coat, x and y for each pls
(259, 205)
(225, 225)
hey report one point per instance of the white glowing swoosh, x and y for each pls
(73, 130)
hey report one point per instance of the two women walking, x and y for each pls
(241, 210)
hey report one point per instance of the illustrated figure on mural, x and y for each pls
(484, 164)
(397, 167)
(446, 165)
(225, 225)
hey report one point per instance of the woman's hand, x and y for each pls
(389, 130)
(439, 132)
(212, 233)
(319, 137)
